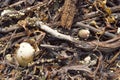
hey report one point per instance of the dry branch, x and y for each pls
(65, 69)
(94, 29)
(17, 35)
(102, 46)
(54, 32)
(97, 13)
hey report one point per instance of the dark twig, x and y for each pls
(97, 13)
(14, 36)
(114, 57)
(94, 29)
(65, 69)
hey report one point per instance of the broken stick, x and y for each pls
(102, 46)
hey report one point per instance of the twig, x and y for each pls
(50, 46)
(94, 29)
(21, 34)
(117, 38)
(54, 32)
(102, 46)
(94, 14)
(10, 28)
(99, 64)
(114, 57)
(91, 15)
(56, 47)
(14, 4)
(116, 8)
(65, 69)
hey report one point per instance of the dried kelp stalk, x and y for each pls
(68, 13)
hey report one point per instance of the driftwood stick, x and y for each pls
(94, 29)
(55, 33)
(10, 28)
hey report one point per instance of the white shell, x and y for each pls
(3, 13)
(87, 59)
(118, 31)
(9, 58)
(84, 33)
(25, 54)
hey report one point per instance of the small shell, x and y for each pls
(87, 60)
(118, 31)
(25, 53)
(84, 33)
(5, 12)
(9, 58)
(118, 64)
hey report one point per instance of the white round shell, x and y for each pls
(25, 53)
(84, 33)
